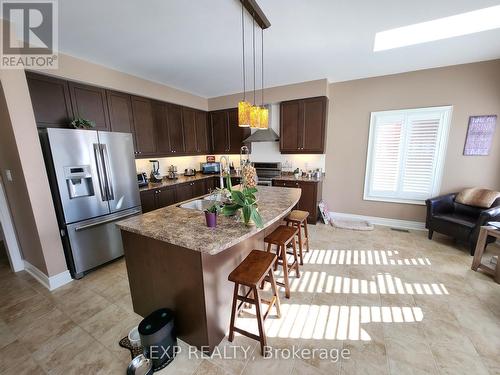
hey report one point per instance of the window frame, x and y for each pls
(442, 142)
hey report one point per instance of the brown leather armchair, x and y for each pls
(459, 221)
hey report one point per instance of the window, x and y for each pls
(406, 151)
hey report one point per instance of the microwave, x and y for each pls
(210, 168)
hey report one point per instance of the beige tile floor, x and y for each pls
(400, 304)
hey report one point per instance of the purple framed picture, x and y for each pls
(480, 135)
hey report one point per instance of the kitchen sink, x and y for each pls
(197, 204)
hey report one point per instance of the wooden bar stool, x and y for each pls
(256, 267)
(298, 219)
(282, 237)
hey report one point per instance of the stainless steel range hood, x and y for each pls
(268, 135)
(263, 135)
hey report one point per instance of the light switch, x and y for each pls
(8, 174)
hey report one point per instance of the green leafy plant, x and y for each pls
(214, 208)
(81, 123)
(246, 201)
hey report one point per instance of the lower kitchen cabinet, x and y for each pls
(169, 195)
(148, 200)
(310, 197)
(158, 198)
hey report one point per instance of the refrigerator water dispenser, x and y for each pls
(79, 181)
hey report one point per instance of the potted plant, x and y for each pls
(81, 123)
(245, 201)
(211, 215)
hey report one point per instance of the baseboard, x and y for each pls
(52, 282)
(393, 223)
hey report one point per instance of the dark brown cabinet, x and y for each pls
(161, 128)
(144, 126)
(189, 128)
(168, 195)
(219, 129)
(309, 198)
(175, 132)
(90, 103)
(227, 136)
(303, 126)
(148, 200)
(236, 134)
(120, 112)
(202, 138)
(158, 198)
(51, 101)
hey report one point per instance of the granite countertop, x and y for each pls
(187, 228)
(290, 177)
(180, 180)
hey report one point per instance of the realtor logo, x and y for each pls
(29, 34)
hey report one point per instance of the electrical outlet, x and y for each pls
(8, 174)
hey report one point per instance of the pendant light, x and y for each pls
(244, 107)
(253, 116)
(264, 112)
(255, 110)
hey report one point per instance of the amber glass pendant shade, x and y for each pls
(264, 118)
(255, 117)
(244, 109)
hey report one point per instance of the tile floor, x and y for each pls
(400, 304)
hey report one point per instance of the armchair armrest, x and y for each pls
(443, 203)
(491, 214)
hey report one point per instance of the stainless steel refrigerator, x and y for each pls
(94, 184)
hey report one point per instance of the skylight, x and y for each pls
(441, 28)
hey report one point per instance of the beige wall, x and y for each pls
(274, 94)
(28, 193)
(76, 69)
(472, 89)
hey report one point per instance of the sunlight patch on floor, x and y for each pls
(362, 257)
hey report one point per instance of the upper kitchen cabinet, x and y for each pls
(144, 126)
(236, 134)
(161, 128)
(227, 136)
(202, 133)
(303, 126)
(89, 103)
(219, 128)
(120, 112)
(189, 128)
(175, 129)
(51, 101)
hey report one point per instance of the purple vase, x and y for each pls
(211, 219)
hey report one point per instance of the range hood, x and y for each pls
(263, 135)
(267, 135)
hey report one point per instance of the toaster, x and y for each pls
(142, 179)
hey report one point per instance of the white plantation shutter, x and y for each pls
(406, 154)
(387, 156)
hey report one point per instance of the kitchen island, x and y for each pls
(174, 260)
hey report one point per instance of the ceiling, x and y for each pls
(196, 45)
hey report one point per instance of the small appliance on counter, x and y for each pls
(172, 172)
(142, 179)
(155, 175)
(210, 168)
(189, 172)
(158, 337)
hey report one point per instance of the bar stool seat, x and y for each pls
(282, 236)
(256, 268)
(298, 219)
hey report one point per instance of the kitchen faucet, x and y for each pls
(223, 169)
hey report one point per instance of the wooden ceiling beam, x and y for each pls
(257, 13)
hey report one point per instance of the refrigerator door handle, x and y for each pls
(107, 173)
(105, 221)
(100, 170)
